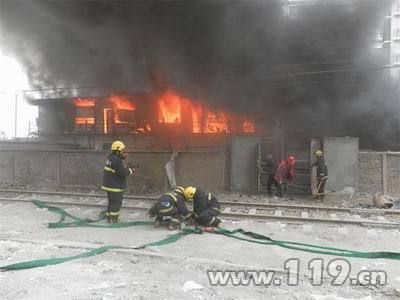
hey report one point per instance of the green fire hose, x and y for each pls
(239, 234)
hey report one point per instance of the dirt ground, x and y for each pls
(162, 271)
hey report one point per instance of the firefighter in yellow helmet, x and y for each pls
(206, 207)
(114, 179)
(322, 174)
(171, 209)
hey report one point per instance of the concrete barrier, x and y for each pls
(74, 168)
(380, 172)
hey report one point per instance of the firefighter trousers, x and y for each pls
(160, 212)
(114, 203)
(208, 217)
(321, 186)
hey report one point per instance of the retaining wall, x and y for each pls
(55, 169)
(380, 172)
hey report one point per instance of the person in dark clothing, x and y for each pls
(268, 167)
(285, 170)
(114, 180)
(206, 207)
(171, 208)
(322, 174)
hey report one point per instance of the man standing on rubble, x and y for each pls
(206, 207)
(322, 174)
(268, 168)
(114, 179)
(171, 208)
(285, 170)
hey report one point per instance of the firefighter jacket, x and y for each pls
(115, 173)
(284, 171)
(322, 168)
(170, 200)
(203, 200)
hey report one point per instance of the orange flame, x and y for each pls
(217, 122)
(122, 102)
(84, 121)
(196, 118)
(248, 126)
(84, 102)
(169, 108)
(87, 103)
(106, 113)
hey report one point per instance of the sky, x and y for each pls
(12, 81)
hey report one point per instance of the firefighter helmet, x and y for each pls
(189, 192)
(291, 159)
(318, 153)
(117, 146)
(179, 190)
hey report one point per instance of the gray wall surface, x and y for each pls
(371, 173)
(341, 155)
(55, 169)
(380, 172)
(244, 154)
(33, 145)
(202, 169)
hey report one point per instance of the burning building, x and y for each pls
(166, 120)
(278, 71)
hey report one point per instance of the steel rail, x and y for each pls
(229, 215)
(225, 203)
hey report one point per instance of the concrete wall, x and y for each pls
(380, 172)
(370, 171)
(6, 167)
(244, 155)
(393, 173)
(33, 145)
(341, 155)
(203, 169)
(54, 169)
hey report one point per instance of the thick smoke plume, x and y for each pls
(249, 56)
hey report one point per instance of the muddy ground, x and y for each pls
(162, 271)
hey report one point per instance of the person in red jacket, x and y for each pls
(284, 171)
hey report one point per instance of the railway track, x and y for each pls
(288, 213)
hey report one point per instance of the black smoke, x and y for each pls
(315, 65)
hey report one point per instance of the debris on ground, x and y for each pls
(191, 285)
(383, 201)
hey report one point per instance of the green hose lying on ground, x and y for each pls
(239, 234)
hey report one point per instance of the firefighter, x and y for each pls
(114, 179)
(269, 168)
(322, 174)
(285, 170)
(171, 208)
(206, 207)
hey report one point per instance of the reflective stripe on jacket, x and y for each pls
(115, 173)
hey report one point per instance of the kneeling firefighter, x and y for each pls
(206, 207)
(171, 208)
(114, 179)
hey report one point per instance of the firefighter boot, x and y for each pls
(115, 219)
(109, 218)
(217, 223)
(157, 221)
(174, 224)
